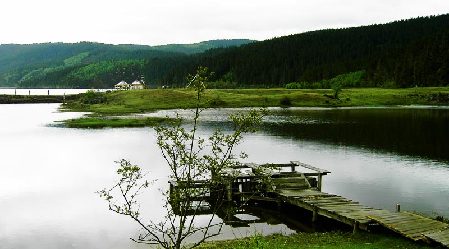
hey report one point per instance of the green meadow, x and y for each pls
(104, 105)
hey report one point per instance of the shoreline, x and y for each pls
(103, 106)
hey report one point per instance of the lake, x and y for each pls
(49, 175)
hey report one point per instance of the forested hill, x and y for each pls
(398, 54)
(202, 46)
(403, 53)
(87, 64)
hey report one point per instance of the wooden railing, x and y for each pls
(249, 182)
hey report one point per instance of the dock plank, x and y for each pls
(294, 188)
(351, 212)
(411, 225)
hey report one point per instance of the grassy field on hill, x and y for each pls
(103, 105)
(138, 101)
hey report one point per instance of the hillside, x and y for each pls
(399, 54)
(404, 53)
(200, 47)
(86, 64)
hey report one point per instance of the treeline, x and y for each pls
(400, 54)
(404, 53)
(87, 64)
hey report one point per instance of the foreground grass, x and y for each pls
(317, 240)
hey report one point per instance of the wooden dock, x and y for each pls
(303, 189)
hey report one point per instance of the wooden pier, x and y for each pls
(302, 188)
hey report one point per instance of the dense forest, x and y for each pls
(403, 53)
(87, 64)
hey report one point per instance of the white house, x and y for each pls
(122, 85)
(137, 85)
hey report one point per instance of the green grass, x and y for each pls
(125, 102)
(103, 122)
(332, 240)
(140, 101)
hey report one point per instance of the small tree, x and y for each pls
(191, 160)
(337, 87)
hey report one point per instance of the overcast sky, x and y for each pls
(155, 22)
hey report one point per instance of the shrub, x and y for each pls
(92, 97)
(293, 85)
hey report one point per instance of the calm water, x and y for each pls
(49, 175)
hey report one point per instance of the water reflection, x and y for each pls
(378, 156)
(409, 131)
(49, 175)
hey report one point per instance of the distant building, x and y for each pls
(122, 85)
(137, 85)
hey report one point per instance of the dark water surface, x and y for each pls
(49, 175)
(411, 131)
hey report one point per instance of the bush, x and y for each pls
(92, 97)
(293, 85)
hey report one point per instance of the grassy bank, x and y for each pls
(331, 240)
(122, 102)
(103, 122)
(139, 101)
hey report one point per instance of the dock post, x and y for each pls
(314, 215)
(356, 227)
(319, 182)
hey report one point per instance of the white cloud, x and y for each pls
(183, 21)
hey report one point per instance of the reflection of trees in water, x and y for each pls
(415, 132)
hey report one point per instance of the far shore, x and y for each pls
(33, 99)
(104, 106)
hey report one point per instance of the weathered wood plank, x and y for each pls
(345, 203)
(342, 208)
(411, 225)
(304, 192)
(420, 230)
(331, 203)
(420, 233)
(441, 237)
(310, 167)
(323, 201)
(402, 222)
(326, 198)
